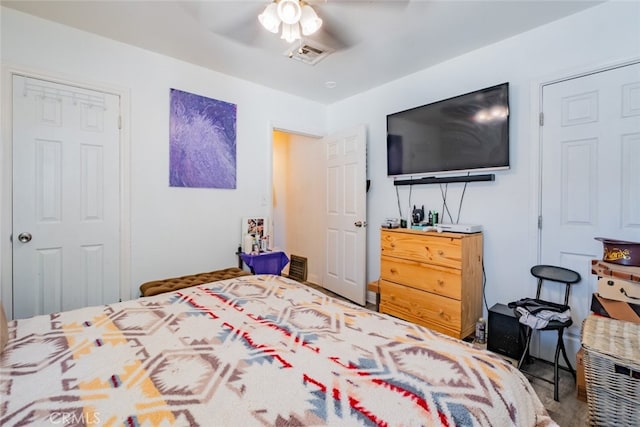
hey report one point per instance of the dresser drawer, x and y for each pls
(434, 311)
(432, 278)
(430, 248)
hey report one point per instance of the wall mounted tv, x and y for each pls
(466, 133)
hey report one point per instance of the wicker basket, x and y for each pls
(612, 371)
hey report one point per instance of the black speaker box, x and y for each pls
(504, 335)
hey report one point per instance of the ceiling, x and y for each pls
(373, 42)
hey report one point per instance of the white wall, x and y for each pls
(506, 208)
(174, 231)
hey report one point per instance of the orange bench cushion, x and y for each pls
(167, 285)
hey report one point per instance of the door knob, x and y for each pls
(360, 223)
(25, 237)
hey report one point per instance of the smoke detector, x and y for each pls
(309, 52)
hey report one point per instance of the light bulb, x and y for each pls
(289, 11)
(309, 20)
(269, 18)
(290, 33)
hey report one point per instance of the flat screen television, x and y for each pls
(466, 133)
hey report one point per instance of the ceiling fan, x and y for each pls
(295, 16)
(336, 24)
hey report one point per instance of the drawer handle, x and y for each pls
(440, 252)
(441, 282)
(393, 271)
(444, 315)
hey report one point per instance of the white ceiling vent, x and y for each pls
(309, 52)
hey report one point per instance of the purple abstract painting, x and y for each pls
(202, 142)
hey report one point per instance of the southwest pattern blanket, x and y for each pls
(254, 350)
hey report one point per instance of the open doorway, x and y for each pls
(319, 206)
(298, 196)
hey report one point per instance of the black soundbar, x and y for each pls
(446, 179)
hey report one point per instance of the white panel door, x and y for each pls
(346, 213)
(65, 197)
(590, 181)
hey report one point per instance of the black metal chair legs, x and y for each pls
(556, 366)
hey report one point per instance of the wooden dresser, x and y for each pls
(433, 279)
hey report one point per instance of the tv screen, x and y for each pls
(466, 133)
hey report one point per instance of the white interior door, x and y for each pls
(65, 235)
(346, 214)
(590, 181)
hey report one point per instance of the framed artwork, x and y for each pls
(255, 226)
(202, 142)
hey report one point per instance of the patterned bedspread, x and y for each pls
(254, 350)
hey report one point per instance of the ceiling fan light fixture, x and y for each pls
(295, 16)
(289, 11)
(309, 20)
(270, 19)
(290, 32)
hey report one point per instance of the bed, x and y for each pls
(252, 350)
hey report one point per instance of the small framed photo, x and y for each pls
(256, 226)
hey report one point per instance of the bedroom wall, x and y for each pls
(174, 231)
(507, 208)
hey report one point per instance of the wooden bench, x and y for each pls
(173, 284)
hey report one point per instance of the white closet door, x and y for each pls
(65, 197)
(590, 179)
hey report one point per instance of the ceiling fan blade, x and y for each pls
(246, 31)
(237, 20)
(334, 36)
(359, 3)
(339, 28)
(233, 20)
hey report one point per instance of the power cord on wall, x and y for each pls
(445, 207)
(484, 286)
(409, 220)
(461, 199)
(398, 200)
